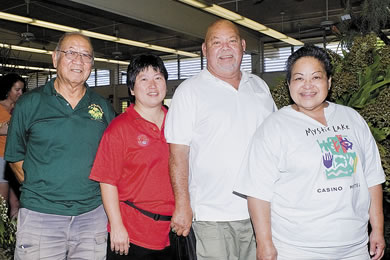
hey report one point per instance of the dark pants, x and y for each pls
(139, 253)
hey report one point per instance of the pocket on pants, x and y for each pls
(27, 246)
(210, 242)
(100, 245)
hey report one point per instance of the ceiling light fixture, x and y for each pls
(244, 21)
(100, 36)
(26, 67)
(34, 50)
(22, 48)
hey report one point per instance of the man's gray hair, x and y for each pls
(65, 35)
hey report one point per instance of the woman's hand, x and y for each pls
(4, 128)
(120, 241)
(377, 241)
(118, 234)
(377, 245)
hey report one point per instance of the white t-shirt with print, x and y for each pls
(316, 177)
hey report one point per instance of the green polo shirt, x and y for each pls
(58, 145)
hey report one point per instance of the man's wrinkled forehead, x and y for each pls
(72, 39)
(221, 26)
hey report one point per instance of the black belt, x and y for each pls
(156, 217)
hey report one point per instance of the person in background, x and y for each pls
(313, 176)
(12, 87)
(52, 140)
(210, 123)
(132, 168)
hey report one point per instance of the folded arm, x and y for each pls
(17, 168)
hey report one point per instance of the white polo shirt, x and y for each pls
(217, 122)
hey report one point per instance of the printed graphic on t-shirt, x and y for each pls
(338, 157)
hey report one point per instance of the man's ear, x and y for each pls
(204, 49)
(54, 58)
(243, 44)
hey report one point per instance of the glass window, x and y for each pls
(275, 58)
(102, 78)
(91, 81)
(189, 67)
(246, 64)
(171, 66)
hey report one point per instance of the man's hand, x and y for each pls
(182, 220)
(179, 171)
(266, 251)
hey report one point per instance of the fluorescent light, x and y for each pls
(274, 34)
(15, 18)
(100, 36)
(186, 53)
(132, 43)
(160, 48)
(22, 48)
(53, 26)
(23, 76)
(222, 12)
(251, 24)
(164, 49)
(194, 3)
(27, 67)
(112, 61)
(293, 41)
(244, 21)
(34, 50)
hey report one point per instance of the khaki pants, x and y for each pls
(232, 240)
(43, 236)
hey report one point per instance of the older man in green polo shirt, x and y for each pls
(51, 144)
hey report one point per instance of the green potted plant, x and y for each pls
(7, 232)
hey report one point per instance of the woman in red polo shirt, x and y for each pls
(132, 167)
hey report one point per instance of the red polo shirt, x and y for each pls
(133, 156)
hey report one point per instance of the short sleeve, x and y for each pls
(16, 145)
(108, 164)
(259, 171)
(372, 166)
(181, 116)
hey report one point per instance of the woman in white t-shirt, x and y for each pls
(313, 174)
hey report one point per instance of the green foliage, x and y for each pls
(361, 80)
(7, 232)
(373, 17)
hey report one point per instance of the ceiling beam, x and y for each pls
(170, 15)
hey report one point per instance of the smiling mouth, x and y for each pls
(76, 70)
(308, 94)
(153, 94)
(226, 57)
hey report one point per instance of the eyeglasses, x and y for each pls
(72, 55)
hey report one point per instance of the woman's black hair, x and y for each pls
(6, 83)
(142, 62)
(309, 51)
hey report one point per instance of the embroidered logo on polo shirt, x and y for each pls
(143, 140)
(95, 111)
